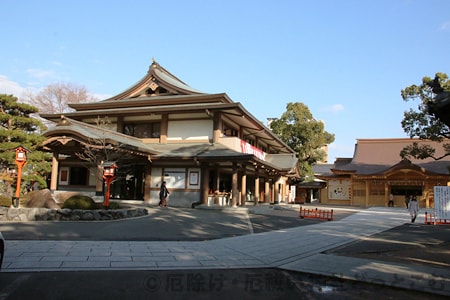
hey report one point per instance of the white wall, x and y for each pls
(190, 130)
(183, 191)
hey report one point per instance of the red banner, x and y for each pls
(249, 149)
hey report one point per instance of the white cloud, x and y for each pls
(40, 74)
(57, 63)
(101, 96)
(334, 108)
(445, 26)
(10, 87)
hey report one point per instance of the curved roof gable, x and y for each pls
(408, 165)
(157, 82)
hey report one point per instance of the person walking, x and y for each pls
(391, 200)
(413, 208)
(163, 193)
(407, 199)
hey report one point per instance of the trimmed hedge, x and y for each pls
(80, 202)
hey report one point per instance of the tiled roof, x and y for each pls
(87, 131)
(168, 77)
(208, 151)
(374, 156)
(156, 75)
(321, 169)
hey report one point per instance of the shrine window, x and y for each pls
(406, 190)
(250, 141)
(158, 91)
(78, 176)
(230, 132)
(143, 130)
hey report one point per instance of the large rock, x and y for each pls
(42, 199)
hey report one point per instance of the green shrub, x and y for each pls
(80, 202)
(114, 205)
(5, 201)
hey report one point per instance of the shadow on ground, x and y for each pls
(413, 244)
(242, 284)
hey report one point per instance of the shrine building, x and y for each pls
(209, 149)
(377, 170)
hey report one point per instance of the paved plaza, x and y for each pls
(300, 249)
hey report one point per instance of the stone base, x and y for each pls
(45, 214)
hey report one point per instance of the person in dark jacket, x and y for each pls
(163, 193)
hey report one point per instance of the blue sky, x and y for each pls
(346, 60)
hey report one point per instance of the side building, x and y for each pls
(206, 147)
(377, 170)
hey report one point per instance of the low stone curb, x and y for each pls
(45, 214)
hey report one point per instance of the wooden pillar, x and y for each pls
(120, 124)
(256, 186)
(276, 189)
(147, 183)
(267, 191)
(234, 186)
(386, 193)
(216, 188)
(217, 181)
(99, 181)
(243, 186)
(54, 175)
(366, 204)
(164, 129)
(216, 130)
(205, 184)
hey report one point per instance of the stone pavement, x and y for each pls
(297, 249)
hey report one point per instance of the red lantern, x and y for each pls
(21, 160)
(108, 175)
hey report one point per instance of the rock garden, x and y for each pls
(71, 206)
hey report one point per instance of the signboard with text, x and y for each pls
(442, 202)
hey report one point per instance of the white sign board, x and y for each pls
(442, 202)
(292, 193)
(339, 189)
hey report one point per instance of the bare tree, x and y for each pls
(56, 97)
(98, 150)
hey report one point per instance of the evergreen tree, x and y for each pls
(19, 128)
(304, 134)
(422, 123)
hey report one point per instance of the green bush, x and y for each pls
(80, 202)
(5, 201)
(114, 205)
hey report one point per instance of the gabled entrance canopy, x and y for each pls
(68, 135)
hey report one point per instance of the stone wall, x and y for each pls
(45, 214)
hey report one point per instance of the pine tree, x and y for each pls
(19, 128)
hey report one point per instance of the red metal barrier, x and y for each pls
(430, 218)
(316, 214)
